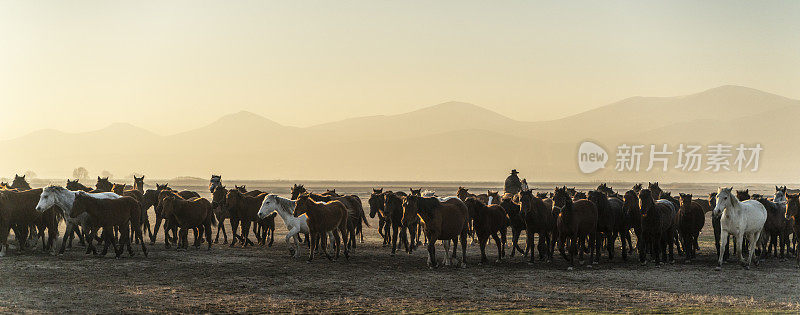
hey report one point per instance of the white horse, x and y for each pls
(64, 199)
(285, 208)
(740, 219)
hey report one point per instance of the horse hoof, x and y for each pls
(589, 266)
(746, 267)
(595, 263)
(718, 268)
(569, 268)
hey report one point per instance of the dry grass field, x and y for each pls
(266, 279)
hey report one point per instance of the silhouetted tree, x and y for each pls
(80, 173)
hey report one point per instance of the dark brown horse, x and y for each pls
(655, 190)
(393, 214)
(324, 218)
(510, 204)
(297, 190)
(633, 219)
(218, 206)
(488, 221)
(164, 193)
(243, 211)
(103, 185)
(138, 183)
(110, 214)
(690, 220)
(610, 222)
(444, 220)
(658, 229)
(793, 215)
(76, 186)
(775, 232)
(194, 213)
(18, 212)
(376, 202)
(20, 183)
(577, 220)
(539, 220)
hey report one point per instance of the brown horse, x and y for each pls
(393, 214)
(632, 219)
(690, 220)
(539, 220)
(376, 202)
(463, 193)
(297, 190)
(218, 205)
(243, 211)
(444, 220)
(324, 218)
(610, 223)
(20, 183)
(510, 204)
(110, 214)
(775, 232)
(793, 215)
(138, 183)
(493, 197)
(577, 220)
(163, 194)
(658, 229)
(75, 186)
(488, 221)
(194, 213)
(18, 212)
(655, 190)
(103, 185)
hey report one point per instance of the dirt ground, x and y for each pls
(267, 279)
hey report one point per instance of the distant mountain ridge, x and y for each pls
(448, 141)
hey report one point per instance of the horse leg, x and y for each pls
(387, 226)
(612, 241)
(723, 238)
(463, 238)
(337, 243)
(234, 227)
(503, 233)
(446, 245)
(753, 237)
(529, 240)
(432, 253)
(514, 241)
(454, 256)
(499, 248)
(312, 245)
(573, 250)
(404, 238)
(394, 238)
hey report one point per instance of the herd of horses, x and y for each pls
(575, 223)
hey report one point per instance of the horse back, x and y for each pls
(452, 217)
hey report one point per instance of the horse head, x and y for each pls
(725, 199)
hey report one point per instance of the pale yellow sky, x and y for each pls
(171, 66)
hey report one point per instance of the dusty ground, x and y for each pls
(265, 279)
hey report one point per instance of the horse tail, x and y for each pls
(360, 209)
(213, 217)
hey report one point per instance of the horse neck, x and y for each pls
(427, 207)
(283, 208)
(65, 199)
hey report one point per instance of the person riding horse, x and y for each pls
(513, 184)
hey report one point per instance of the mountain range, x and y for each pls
(449, 141)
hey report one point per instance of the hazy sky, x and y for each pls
(171, 66)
